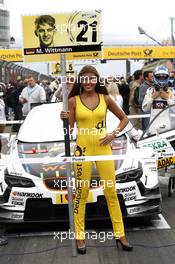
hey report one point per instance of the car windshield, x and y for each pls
(119, 146)
(39, 150)
(54, 149)
(43, 150)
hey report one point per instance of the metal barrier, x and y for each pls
(10, 71)
(21, 121)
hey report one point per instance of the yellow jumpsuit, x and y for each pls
(91, 126)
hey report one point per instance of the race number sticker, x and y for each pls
(63, 198)
(47, 35)
(56, 68)
(83, 28)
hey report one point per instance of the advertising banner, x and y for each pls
(78, 34)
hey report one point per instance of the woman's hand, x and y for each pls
(107, 139)
(64, 115)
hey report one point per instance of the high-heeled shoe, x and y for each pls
(81, 247)
(126, 247)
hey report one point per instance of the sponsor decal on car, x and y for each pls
(129, 168)
(165, 162)
(15, 173)
(63, 198)
(17, 201)
(127, 189)
(28, 195)
(47, 168)
(133, 210)
(157, 145)
(129, 196)
(17, 216)
(78, 159)
(129, 193)
(149, 163)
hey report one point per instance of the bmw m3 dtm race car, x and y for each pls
(37, 191)
(160, 136)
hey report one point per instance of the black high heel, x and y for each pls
(81, 249)
(125, 247)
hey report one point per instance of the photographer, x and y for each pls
(160, 95)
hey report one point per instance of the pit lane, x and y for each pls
(145, 234)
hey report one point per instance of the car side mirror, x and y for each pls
(159, 127)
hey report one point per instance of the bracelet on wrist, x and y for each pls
(116, 132)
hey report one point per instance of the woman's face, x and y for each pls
(88, 81)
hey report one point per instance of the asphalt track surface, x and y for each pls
(36, 243)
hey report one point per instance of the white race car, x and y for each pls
(37, 191)
(160, 137)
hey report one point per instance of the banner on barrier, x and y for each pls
(138, 52)
(113, 53)
(11, 55)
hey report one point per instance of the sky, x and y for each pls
(120, 19)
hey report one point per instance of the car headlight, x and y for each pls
(14, 180)
(131, 175)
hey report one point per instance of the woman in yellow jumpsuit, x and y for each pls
(88, 104)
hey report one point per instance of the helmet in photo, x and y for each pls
(161, 76)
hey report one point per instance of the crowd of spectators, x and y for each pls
(17, 98)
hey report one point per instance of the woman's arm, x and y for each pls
(118, 112)
(70, 114)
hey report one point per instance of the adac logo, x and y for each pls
(100, 125)
(79, 151)
(148, 52)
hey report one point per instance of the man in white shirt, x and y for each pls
(32, 93)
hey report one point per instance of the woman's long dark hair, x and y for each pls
(99, 88)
